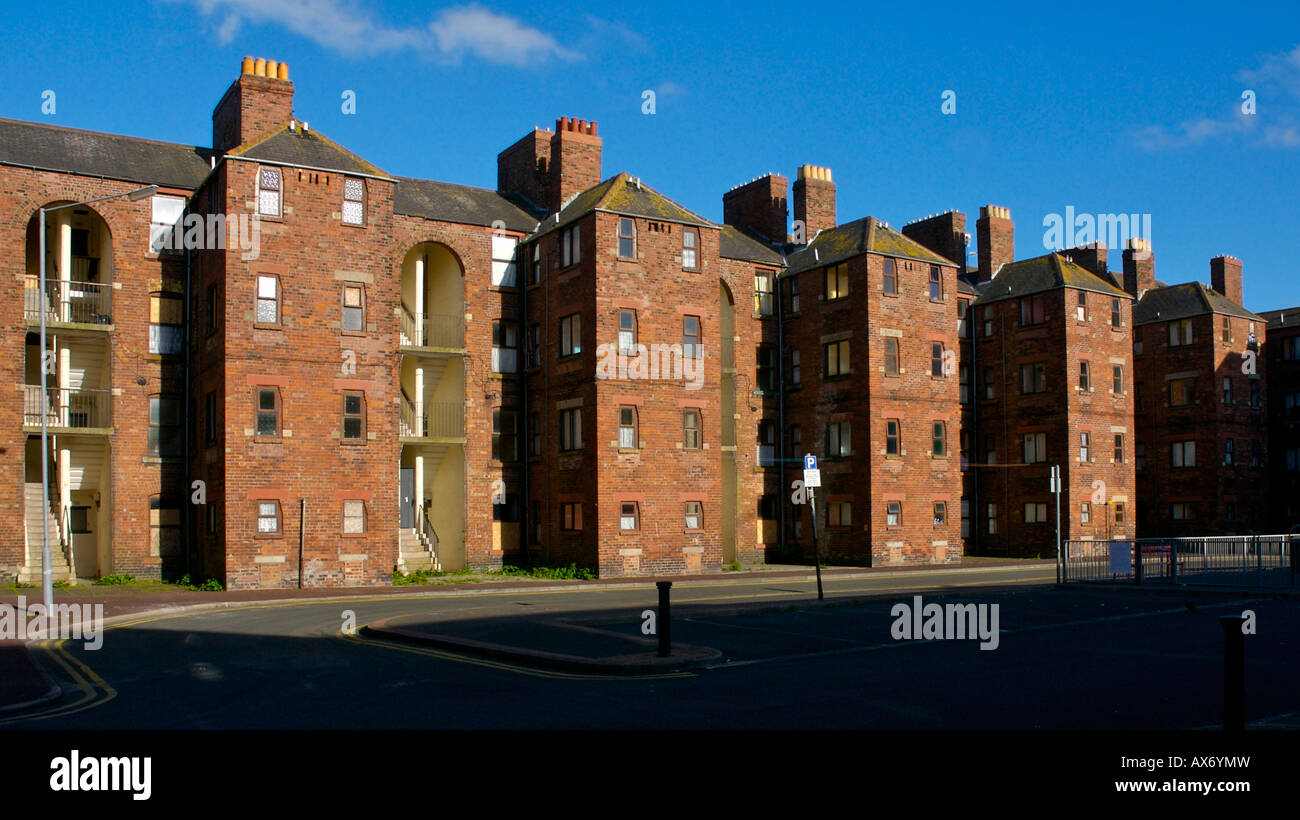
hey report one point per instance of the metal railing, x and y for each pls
(1229, 560)
(439, 419)
(67, 408)
(432, 330)
(424, 528)
(77, 301)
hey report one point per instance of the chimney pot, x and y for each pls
(247, 66)
(284, 71)
(272, 69)
(259, 67)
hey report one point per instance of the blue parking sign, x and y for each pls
(810, 462)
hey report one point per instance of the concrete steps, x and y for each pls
(414, 554)
(33, 507)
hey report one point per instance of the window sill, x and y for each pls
(351, 443)
(268, 439)
(352, 535)
(267, 326)
(269, 536)
(693, 532)
(629, 532)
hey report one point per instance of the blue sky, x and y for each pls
(1108, 108)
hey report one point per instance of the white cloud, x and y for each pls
(494, 37)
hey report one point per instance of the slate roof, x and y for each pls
(306, 149)
(446, 202)
(854, 238)
(1284, 318)
(1040, 274)
(90, 153)
(622, 194)
(1184, 301)
(736, 243)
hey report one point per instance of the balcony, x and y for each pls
(440, 331)
(442, 421)
(84, 410)
(76, 302)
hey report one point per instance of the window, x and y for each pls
(1035, 447)
(354, 310)
(268, 411)
(839, 441)
(963, 379)
(164, 427)
(1085, 512)
(766, 374)
(534, 434)
(893, 437)
(1183, 511)
(164, 526)
(1291, 349)
(988, 321)
(796, 372)
(893, 513)
(535, 345)
(691, 335)
(1033, 378)
(1035, 513)
(965, 518)
(794, 294)
(1182, 392)
(767, 507)
(1182, 454)
(766, 443)
(1180, 332)
(268, 191)
(963, 443)
(796, 438)
(505, 346)
(354, 417)
(164, 224)
(166, 315)
(1140, 455)
(1228, 447)
(571, 517)
(268, 517)
(210, 418)
(1085, 439)
(1254, 393)
(354, 201)
(940, 513)
(1227, 390)
(989, 384)
(1081, 310)
(505, 435)
(837, 281)
(212, 307)
(1137, 397)
(627, 238)
(1119, 448)
(1119, 513)
(571, 429)
(1230, 510)
(1084, 382)
(939, 443)
(690, 260)
(691, 430)
(627, 437)
(535, 268)
(1117, 379)
(268, 300)
(891, 277)
(839, 514)
(503, 260)
(629, 516)
(1116, 316)
(1033, 309)
(936, 284)
(763, 294)
(570, 247)
(627, 330)
(936, 360)
(963, 326)
(991, 516)
(1226, 333)
(891, 356)
(836, 360)
(354, 517)
(990, 450)
(694, 516)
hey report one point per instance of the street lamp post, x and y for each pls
(47, 570)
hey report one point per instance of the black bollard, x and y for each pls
(1234, 673)
(665, 619)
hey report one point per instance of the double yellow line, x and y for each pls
(95, 691)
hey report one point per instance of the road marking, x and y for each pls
(89, 684)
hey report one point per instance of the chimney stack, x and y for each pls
(944, 234)
(258, 102)
(759, 205)
(1139, 267)
(1091, 257)
(1225, 277)
(814, 200)
(575, 160)
(997, 240)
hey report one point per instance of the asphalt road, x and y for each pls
(1075, 658)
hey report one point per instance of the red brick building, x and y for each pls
(1282, 360)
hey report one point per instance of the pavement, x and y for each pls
(578, 642)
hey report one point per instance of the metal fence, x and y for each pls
(67, 408)
(1240, 560)
(80, 302)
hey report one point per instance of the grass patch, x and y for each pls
(572, 572)
(734, 566)
(114, 580)
(210, 585)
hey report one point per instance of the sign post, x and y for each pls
(812, 478)
(1055, 487)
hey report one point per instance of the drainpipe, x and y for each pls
(525, 501)
(972, 461)
(186, 514)
(780, 409)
